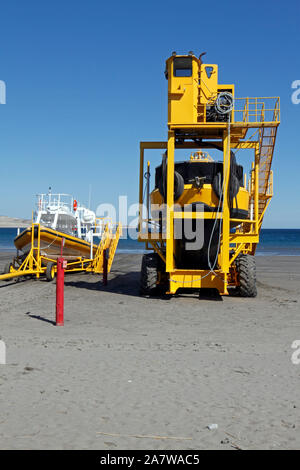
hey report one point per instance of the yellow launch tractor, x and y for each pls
(201, 221)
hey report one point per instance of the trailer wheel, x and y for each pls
(7, 268)
(149, 274)
(246, 268)
(50, 272)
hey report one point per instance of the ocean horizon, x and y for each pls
(273, 242)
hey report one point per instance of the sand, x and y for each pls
(124, 367)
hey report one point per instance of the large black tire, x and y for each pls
(50, 272)
(246, 269)
(234, 183)
(149, 274)
(178, 186)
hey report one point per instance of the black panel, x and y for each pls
(188, 170)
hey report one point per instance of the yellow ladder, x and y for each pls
(266, 151)
(109, 242)
(113, 246)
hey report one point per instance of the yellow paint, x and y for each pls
(206, 195)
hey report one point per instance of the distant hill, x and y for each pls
(13, 222)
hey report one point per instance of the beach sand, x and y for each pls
(125, 368)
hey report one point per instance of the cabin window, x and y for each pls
(182, 66)
(65, 223)
(47, 219)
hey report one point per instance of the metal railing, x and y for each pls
(44, 201)
(256, 110)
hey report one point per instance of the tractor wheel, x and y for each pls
(50, 272)
(246, 269)
(149, 274)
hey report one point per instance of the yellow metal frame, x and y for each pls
(262, 114)
(35, 264)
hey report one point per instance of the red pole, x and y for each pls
(60, 279)
(104, 268)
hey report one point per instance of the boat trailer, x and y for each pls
(35, 264)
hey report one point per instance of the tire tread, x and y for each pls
(246, 267)
(149, 274)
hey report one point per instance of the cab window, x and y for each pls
(182, 66)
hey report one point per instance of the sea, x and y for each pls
(273, 242)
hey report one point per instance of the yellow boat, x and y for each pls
(51, 242)
(61, 220)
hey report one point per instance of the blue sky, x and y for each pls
(85, 84)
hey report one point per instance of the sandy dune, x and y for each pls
(125, 366)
